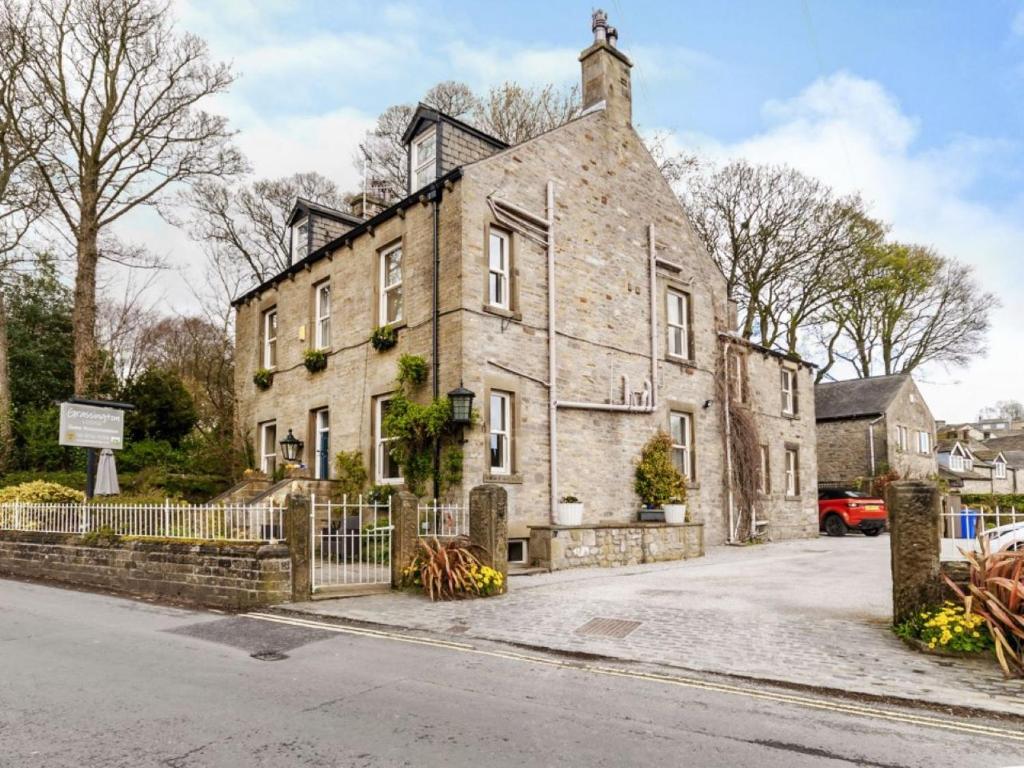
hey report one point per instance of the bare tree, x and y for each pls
(122, 89)
(514, 113)
(241, 226)
(776, 234)
(22, 194)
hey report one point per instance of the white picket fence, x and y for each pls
(960, 530)
(235, 522)
(442, 520)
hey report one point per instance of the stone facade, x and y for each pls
(609, 200)
(559, 547)
(234, 576)
(844, 444)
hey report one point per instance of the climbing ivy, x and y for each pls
(414, 427)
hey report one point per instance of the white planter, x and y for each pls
(570, 514)
(675, 514)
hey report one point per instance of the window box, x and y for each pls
(315, 360)
(384, 337)
(263, 378)
(652, 515)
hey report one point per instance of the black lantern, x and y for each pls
(462, 406)
(291, 447)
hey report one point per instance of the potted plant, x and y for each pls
(315, 360)
(675, 509)
(570, 511)
(657, 481)
(263, 378)
(384, 337)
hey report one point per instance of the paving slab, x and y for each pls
(812, 613)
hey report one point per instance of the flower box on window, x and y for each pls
(315, 360)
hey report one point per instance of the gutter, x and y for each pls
(349, 237)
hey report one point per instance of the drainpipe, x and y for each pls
(435, 334)
(552, 357)
(871, 441)
(728, 447)
(652, 253)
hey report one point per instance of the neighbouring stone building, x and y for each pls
(975, 467)
(867, 427)
(577, 231)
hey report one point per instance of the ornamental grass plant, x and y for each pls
(995, 592)
(450, 570)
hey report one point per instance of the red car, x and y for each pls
(840, 510)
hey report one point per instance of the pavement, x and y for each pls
(812, 613)
(90, 681)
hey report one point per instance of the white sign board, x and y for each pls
(91, 426)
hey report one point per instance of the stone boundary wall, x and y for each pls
(234, 575)
(557, 547)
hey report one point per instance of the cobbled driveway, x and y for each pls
(813, 612)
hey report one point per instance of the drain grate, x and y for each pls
(617, 628)
(269, 656)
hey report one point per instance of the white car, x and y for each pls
(1005, 537)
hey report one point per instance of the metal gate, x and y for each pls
(351, 545)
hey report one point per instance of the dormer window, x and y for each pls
(423, 162)
(1000, 470)
(300, 240)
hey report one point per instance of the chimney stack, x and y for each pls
(365, 206)
(606, 71)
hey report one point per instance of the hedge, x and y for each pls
(993, 500)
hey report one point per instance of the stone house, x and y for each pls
(868, 426)
(977, 468)
(560, 281)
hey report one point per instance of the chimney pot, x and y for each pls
(599, 25)
(613, 36)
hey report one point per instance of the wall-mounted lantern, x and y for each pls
(291, 447)
(462, 406)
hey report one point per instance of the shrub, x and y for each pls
(995, 591)
(263, 378)
(412, 370)
(569, 499)
(949, 627)
(450, 570)
(374, 547)
(384, 337)
(380, 494)
(164, 409)
(315, 360)
(36, 431)
(657, 481)
(40, 492)
(352, 476)
(150, 454)
(992, 500)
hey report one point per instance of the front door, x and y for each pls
(322, 460)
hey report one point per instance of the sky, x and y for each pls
(917, 106)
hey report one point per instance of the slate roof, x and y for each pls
(856, 398)
(1006, 442)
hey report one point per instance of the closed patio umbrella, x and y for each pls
(106, 475)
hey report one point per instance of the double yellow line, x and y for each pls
(849, 708)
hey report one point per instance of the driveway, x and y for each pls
(813, 612)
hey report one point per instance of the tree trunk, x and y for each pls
(84, 312)
(6, 433)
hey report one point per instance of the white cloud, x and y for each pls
(852, 133)
(482, 67)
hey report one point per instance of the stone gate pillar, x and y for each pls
(297, 534)
(488, 524)
(915, 524)
(405, 519)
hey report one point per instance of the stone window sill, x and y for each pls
(508, 314)
(683, 361)
(513, 479)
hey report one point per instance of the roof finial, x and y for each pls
(599, 25)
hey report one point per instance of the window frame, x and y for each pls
(321, 340)
(682, 326)
(317, 430)
(902, 438)
(686, 447)
(385, 290)
(379, 443)
(737, 381)
(956, 462)
(764, 479)
(263, 427)
(525, 544)
(790, 395)
(924, 442)
(506, 434)
(269, 356)
(506, 275)
(999, 470)
(792, 471)
(300, 228)
(417, 165)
